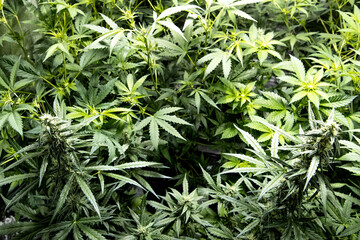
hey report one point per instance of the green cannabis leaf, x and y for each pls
(162, 119)
(309, 83)
(215, 58)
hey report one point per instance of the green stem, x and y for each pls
(149, 1)
(154, 80)
(187, 54)
(21, 44)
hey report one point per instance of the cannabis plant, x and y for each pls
(290, 184)
(114, 115)
(60, 168)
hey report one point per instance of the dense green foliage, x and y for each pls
(172, 119)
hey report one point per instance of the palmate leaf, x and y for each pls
(91, 56)
(123, 178)
(247, 158)
(21, 83)
(3, 118)
(76, 233)
(26, 211)
(142, 124)
(311, 116)
(177, 226)
(117, 35)
(21, 160)
(158, 206)
(250, 140)
(110, 22)
(21, 194)
(262, 55)
(173, 119)
(298, 96)
(165, 221)
(14, 71)
(170, 46)
(43, 168)
(276, 116)
(96, 28)
(338, 101)
(16, 178)
(231, 9)
(166, 111)
(169, 24)
(323, 192)
(245, 2)
(354, 170)
(272, 184)
(170, 129)
(348, 198)
(274, 101)
(63, 234)
(88, 193)
(101, 168)
(3, 80)
(185, 185)
(197, 101)
(200, 221)
(276, 129)
(219, 233)
(298, 68)
(338, 116)
(15, 122)
(275, 145)
(17, 227)
(160, 118)
(258, 126)
(350, 157)
(352, 229)
(314, 98)
(312, 170)
(215, 58)
(208, 100)
(351, 145)
(146, 185)
(154, 133)
(104, 91)
(152, 174)
(173, 10)
(289, 79)
(250, 226)
(209, 179)
(249, 169)
(59, 226)
(102, 182)
(243, 14)
(229, 132)
(63, 195)
(139, 164)
(226, 64)
(90, 232)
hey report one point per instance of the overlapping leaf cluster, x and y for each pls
(216, 119)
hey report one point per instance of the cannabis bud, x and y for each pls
(55, 133)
